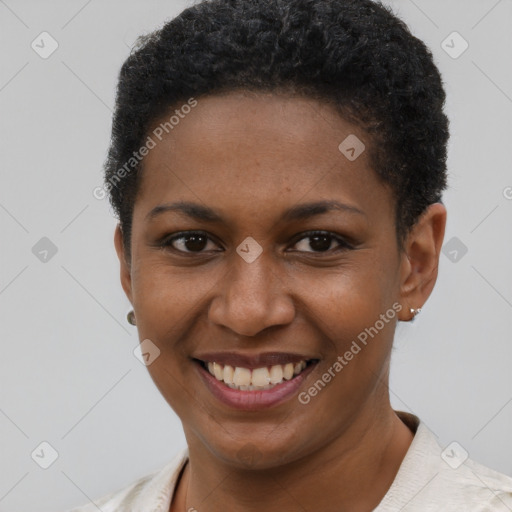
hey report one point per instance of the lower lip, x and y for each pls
(254, 400)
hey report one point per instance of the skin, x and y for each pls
(250, 157)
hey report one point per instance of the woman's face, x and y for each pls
(261, 173)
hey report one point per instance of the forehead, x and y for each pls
(242, 149)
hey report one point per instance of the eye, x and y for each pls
(320, 241)
(190, 242)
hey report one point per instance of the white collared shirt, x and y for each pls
(428, 480)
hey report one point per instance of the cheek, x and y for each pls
(169, 308)
(169, 299)
(356, 311)
(352, 297)
(170, 377)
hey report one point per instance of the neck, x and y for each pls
(352, 472)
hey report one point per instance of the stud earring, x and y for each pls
(131, 318)
(414, 313)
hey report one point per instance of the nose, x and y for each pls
(251, 297)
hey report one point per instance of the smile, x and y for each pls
(256, 382)
(258, 379)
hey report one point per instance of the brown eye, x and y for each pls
(320, 242)
(190, 242)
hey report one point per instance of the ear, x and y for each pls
(125, 270)
(420, 259)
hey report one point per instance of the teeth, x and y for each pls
(242, 376)
(258, 379)
(288, 371)
(228, 374)
(276, 374)
(217, 371)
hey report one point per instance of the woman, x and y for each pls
(277, 168)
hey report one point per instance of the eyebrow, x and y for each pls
(298, 212)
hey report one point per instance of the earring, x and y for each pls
(131, 318)
(414, 313)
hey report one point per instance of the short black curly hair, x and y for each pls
(353, 54)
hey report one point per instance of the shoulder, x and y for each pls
(474, 485)
(470, 487)
(431, 478)
(152, 492)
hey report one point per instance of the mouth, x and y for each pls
(254, 382)
(257, 379)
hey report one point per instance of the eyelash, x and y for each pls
(343, 244)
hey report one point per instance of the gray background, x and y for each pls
(68, 373)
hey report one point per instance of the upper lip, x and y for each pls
(251, 361)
